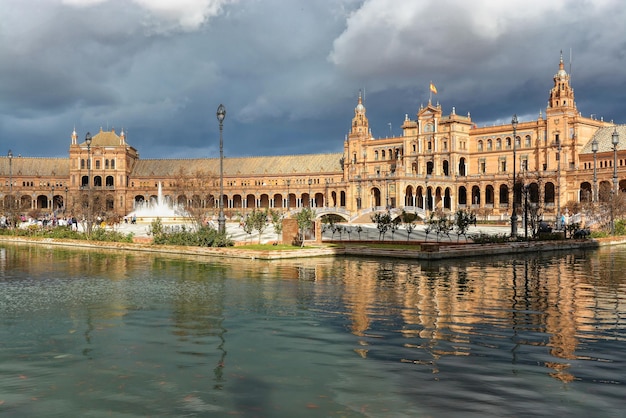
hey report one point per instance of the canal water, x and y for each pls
(126, 334)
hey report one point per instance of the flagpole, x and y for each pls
(430, 92)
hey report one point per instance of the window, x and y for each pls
(527, 142)
(112, 163)
(503, 165)
(524, 164)
(97, 164)
(375, 155)
(482, 164)
(480, 145)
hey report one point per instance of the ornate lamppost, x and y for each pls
(52, 200)
(514, 209)
(594, 149)
(221, 219)
(615, 142)
(310, 200)
(11, 199)
(89, 197)
(288, 183)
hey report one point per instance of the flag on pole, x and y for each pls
(433, 89)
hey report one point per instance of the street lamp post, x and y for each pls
(65, 201)
(288, 183)
(11, 199)
(594, 149)
(514, 208)
(559, 224)
(387, 191)
(52, 200)
(310, 200)
(89, 202)
(221, 219)
(615, 142)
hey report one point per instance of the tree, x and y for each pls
(443, 225)
(463, 219)
(305, 219)
(407, 220)
(256, 221)
(383, 223)
(194, 186)
(277, 222)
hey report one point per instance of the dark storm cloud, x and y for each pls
(290, 79)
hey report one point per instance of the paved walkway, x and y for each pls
(368, 232)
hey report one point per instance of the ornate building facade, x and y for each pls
(438, 162)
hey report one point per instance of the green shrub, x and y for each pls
(205, 236)
(483, 238)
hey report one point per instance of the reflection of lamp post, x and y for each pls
(358, 197)
(288, 183)
(221, 220)
(89, 207)
(594, 149)
(614, 141)
(514, 210)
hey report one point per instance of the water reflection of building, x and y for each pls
(446, 309)
(438, 161)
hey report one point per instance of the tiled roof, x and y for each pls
(604, 136)
(30, 166)
(243, 166)
(105, 139)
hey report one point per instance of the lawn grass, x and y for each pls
(271, 247)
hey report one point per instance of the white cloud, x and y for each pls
(168, 15)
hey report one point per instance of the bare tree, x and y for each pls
(195, 186)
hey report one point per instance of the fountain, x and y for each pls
(149, 210)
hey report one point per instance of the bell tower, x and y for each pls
(562, 93)
(360, 124)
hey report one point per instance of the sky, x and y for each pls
(289, 72)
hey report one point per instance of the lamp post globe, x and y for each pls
(514, 206)
(221, 219)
